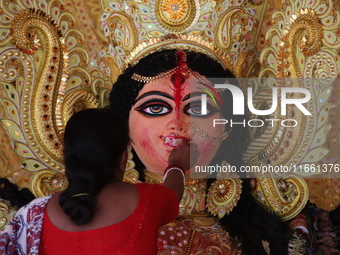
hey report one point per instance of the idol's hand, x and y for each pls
(184, 156)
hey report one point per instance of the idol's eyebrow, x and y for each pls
(154, 93)
(194, 94)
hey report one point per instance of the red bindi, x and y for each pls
(178, 79)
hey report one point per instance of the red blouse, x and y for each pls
(137, 234)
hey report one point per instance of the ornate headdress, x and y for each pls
(220, 29)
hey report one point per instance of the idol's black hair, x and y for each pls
(11, 192)
(249, 221)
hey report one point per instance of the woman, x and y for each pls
(160, 96)
(98, 213)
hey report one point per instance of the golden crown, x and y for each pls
(219, 29)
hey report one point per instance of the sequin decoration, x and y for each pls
(223, 196)
(175, 15)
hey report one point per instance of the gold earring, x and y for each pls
(224, 193)
(131, 175)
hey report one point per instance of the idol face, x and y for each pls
(159, 121)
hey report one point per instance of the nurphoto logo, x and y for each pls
(239, 105)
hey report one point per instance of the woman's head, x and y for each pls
(161, 108)
(95, 143)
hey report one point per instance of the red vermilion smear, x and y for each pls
(146, 143)
(178, 80)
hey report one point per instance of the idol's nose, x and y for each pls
(179, 123)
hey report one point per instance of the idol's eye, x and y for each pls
(154, 108)
(194, 109)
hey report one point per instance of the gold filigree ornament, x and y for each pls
(130, 175)
(223, 195)
(286, 196)
(135, 29)
(303, 42)
(7, 212)
(44, 82)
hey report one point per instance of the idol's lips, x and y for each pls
(173, 140)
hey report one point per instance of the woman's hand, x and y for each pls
(185, 156)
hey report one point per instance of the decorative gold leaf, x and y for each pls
(11, 110)
(23, 151)
(13, 130)
(321, 136)
(315, 155)
(32, 165)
